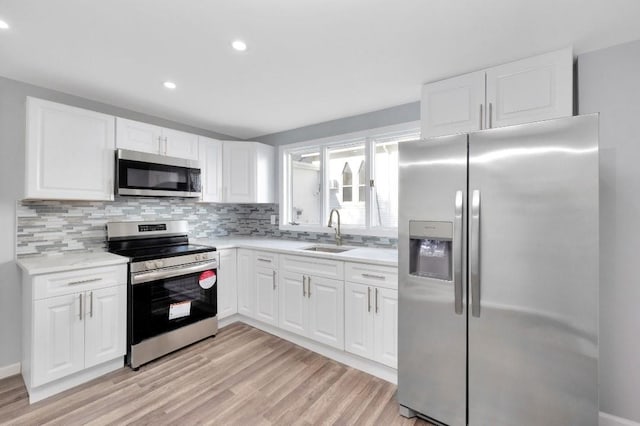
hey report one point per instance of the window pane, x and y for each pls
(305, 188)
(385, 190)
(341, 193)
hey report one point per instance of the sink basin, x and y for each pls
(326, 249)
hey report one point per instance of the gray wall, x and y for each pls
(384, 117)
(12, 134)
(609, 83)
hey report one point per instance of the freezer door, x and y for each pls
(533, 261)
(432, 318)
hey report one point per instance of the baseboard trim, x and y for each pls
(10, 370)
(375, 369)
(611, 420)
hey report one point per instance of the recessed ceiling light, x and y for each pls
(169, 85)
(239, 45)
(3, 25)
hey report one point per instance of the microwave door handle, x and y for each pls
(145, 277)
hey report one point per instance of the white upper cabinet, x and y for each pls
(144, 137)
(236, 172)
(69, 152)
(532, 89)
(453, 105)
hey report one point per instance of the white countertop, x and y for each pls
(378, 256)
(68, 262)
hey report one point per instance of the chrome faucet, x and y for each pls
(338, 234)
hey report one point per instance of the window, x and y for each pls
(356, 174)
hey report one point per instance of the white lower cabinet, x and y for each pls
(371, 322)
(246, 283)
(266, 295)
(74, 324)
(312, 307)
(226, 284)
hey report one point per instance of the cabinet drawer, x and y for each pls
(266, 259)
(61, 283)
(363, 273)
(313, 266)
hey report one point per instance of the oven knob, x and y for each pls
(149, 265)
(204, 256)
(197, 257)
(159, 264)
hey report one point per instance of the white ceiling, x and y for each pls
(308, 60)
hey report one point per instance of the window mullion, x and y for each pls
(368, 161)
(324, 204)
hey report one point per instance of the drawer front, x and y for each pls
(377, 275)
(313, 266)
(68, 282)
(265, 259)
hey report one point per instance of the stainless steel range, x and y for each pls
(172, 291)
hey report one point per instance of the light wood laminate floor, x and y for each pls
(242, 376)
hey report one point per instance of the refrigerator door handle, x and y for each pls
(474, 253)
(457, 255)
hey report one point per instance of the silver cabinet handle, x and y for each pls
(91, 304)
(263, 260)
(368, 299)
(274, 280)
(165, 145)
(309, 287)
(474, 253)
(377, 277)
(80, 314)
(304, 286)
(457, 253)
(481, 118)
(84, 281)
(490, 115)
(376, 300)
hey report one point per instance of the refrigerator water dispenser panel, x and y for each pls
(431, 249)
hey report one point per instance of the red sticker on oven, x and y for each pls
(207, 279)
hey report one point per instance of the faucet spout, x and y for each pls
(338, 234)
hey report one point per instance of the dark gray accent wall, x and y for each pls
(12, 134)
(384, 117)
(609, 83)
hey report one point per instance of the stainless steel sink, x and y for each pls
(326, 249)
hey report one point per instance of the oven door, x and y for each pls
(166, 304)
(146, 174)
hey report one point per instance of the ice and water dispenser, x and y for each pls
(431, 249)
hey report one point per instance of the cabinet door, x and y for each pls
(211, 167)
(138, 136)
(358, 320)
(239, 172)
(226, 284)
(266, 295)
(58, 338)
(246, 283)
(453, 106)
(386, 326)
(293, 304)
(180, 144)
(532, 89)
(326, 311)
(105, 324)
(69, 152)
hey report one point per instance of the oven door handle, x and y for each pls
(145, 277)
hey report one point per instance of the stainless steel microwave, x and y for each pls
(152, 175)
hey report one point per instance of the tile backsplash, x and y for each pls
(53, 227)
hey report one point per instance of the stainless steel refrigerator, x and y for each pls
(498, 275)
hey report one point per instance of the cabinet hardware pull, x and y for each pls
(309, 287)
(91, 304)
(378, 277)
(274, 280)
(264, 260)
(376, 300)
(304, 286)
(481, 120)
(368, 299)
(490, 115)
(80, 314)
(84, 281)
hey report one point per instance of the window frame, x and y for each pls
(408, 130)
